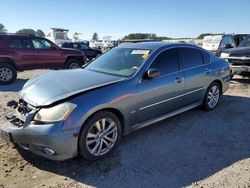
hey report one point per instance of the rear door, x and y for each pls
(196, 74)
(46, 55)
(162, 94)
(23, 51)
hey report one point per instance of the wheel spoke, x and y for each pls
(111, 125)
(110, 132)
(103, 124)
(93, 151)
(89, 142)
(100, 148)
(91, 135)
(109, 139)
(98, 126)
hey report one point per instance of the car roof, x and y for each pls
(151, 45)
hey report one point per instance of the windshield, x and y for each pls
(245, 42)
(120, 61)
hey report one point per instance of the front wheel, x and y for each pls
(72, 64)
(212, 96)
(99, 135)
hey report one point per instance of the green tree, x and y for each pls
(26, 32)
(40, 33)
(3, 29)
(134, 36)
(95, 37)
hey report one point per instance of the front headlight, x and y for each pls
(56, 113)
(223, 55)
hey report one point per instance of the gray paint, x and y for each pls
(141, 102)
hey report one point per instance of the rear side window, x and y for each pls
(167, 62)
(15, 43)
(26, 43)
(191, 58)
(206, 57)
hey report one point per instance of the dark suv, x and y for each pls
(19, 52)
(230, 41)
(90, 53)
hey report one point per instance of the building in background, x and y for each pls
(58, 35)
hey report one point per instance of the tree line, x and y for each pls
(28, 31)
(131, 36)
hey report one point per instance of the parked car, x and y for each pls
(18, 53)
(90, 53)
(218, 43)
(125, 89)
(239, 58)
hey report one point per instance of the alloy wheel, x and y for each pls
(5, 74)
(101, 137)
(213, 96)
(74, 66)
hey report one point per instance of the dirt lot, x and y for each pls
(197, 148)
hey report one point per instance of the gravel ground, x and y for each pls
(196, 149)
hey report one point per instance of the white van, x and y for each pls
(212, 42)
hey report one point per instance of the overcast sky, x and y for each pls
(175, 18)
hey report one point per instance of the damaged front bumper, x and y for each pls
(46, 140)
(238, 64)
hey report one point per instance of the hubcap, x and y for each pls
(213, 96)
(73, 66)
(101, 137)
(5, 74)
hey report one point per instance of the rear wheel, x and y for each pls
(99, 136)
(8, 74)
(73, 64)
(212, 96)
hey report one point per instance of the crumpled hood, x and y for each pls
(57, 85)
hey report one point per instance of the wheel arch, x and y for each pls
(8, 61)
(220, 84)
(115, 111)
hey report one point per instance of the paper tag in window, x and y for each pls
(140, 52)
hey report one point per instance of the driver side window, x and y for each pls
(167, 62)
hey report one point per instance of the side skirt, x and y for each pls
(160, 118)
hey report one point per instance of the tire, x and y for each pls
(73, 64)
(212, 96)
(8, 73)
(93, 144)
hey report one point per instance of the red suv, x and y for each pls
(18, 53)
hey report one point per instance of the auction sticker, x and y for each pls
(140, 52)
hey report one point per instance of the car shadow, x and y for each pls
(175, 152)
(14, 87)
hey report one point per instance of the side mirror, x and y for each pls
(153, 73)
(228, 46)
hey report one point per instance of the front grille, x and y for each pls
(23, 111)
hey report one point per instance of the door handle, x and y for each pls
(179, 80)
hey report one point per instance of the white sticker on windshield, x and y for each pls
(140, 52)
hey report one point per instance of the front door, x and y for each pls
(46, 55)
(162, 94)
